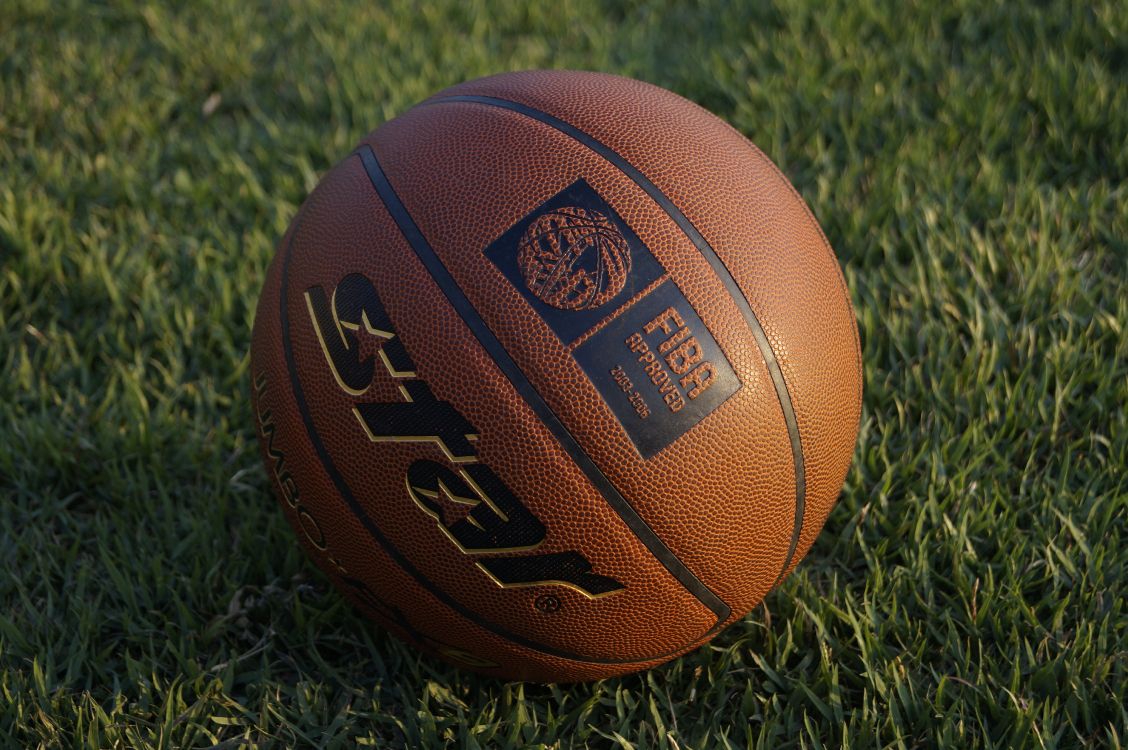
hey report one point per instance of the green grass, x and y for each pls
(968, 162)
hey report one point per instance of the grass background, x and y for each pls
(968, 162)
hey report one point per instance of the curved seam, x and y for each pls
(719, 268)
(829, 250)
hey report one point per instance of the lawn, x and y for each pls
(968, 162)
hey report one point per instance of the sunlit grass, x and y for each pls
(968, 162)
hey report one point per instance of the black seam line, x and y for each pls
(523, 386)
(370, 526)
(714, 260)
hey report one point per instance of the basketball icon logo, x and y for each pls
(574, 258)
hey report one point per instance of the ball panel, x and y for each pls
(756, 223)
(722, 497)
(344, 229)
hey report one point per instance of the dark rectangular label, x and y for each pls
(658, 368)
(656, 365)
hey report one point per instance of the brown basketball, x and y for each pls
(556, 375)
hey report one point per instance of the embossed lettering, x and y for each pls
(684, 357)
(495, 520)
(566, 568)
(701, 378)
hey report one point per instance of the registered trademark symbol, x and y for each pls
(547, 603)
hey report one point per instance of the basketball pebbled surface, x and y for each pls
(556, 375)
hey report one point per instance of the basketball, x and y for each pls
(555, 376)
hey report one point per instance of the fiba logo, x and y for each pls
(574, 258)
